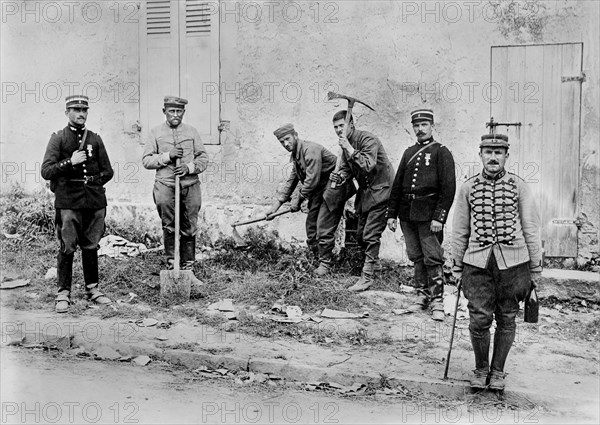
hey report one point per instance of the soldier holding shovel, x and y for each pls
(174, 149)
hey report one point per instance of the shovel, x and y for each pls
(176, 284)
(239, 241)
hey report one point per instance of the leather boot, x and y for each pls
(324, 268)
(481, 347)
(65, 271)
(169, 244)
(503, 341)
(435, 277)
(89, 261)
(314, 254)
(420, 284)
(377, 268)
(366, 279)
(436, 280)
(188, 252)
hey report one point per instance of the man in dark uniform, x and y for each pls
(312, 166)
(77, 165)
(364, 158)
(174, 148)
(497, 251)
(421, 197)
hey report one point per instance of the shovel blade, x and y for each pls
(175, 288)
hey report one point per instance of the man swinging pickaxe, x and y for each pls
(363, 157)
(351, 101)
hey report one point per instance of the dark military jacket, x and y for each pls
(77, 186)
(425, 184)
(312, 166)
(370, 166)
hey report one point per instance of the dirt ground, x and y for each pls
(553, 366)
(42, 387)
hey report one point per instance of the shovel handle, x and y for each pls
(177, 223)
(254, 220)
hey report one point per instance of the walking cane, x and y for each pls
(453, 326)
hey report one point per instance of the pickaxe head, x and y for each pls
(351, 101)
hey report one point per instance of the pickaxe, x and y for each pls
(351, 101)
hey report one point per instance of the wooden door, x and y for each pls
(179, 55)
(539, 86)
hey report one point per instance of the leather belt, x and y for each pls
(87, 179)
(415, 196)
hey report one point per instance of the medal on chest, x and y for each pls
(427, 158)
(89, 150)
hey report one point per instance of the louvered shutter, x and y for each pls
(199, 64)
(179, 55)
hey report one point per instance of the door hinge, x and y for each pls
(578, 222)
(580, 78)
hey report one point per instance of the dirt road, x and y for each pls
(42, 387)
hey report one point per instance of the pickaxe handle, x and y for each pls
(255, 220)
(338, 163)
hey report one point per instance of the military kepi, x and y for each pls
(494, 141)
(419, 115)
(284, 130)
(77, 101)
(175, 101)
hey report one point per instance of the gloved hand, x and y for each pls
(457, 274)
(296, 204)
(337, 178)
(176, 152)
(536, 279)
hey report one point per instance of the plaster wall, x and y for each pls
(278, 61)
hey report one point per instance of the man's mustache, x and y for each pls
(420, 134)
(493, 163)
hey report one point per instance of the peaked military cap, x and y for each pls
(283, 130)
(175, 101)
(419, 115)
(77, 101)
(494, 141)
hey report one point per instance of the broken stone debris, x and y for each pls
(335, 314)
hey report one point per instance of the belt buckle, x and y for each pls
(412, 196)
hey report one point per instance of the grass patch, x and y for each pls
(266, 272)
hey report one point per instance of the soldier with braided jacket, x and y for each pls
(496, 250)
